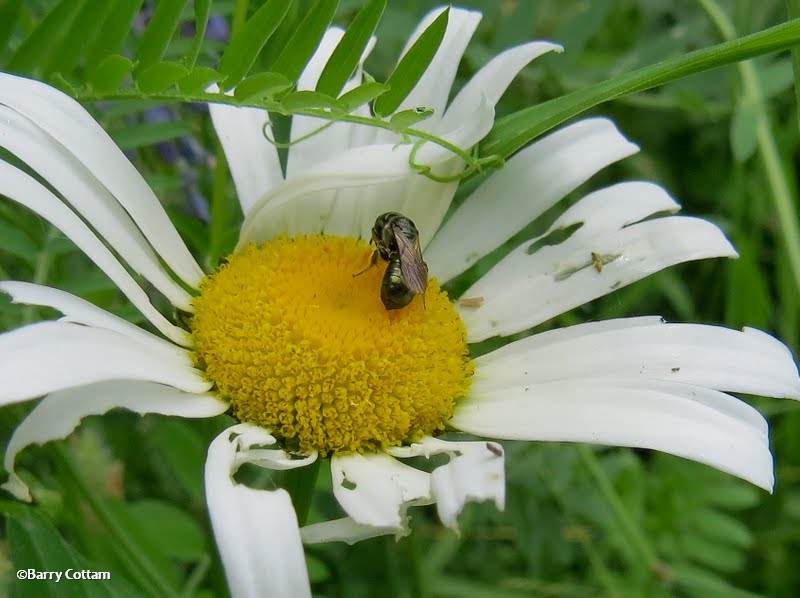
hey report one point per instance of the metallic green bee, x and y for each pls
(396, 240)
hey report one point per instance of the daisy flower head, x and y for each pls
(304, 354)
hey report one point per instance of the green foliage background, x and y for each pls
(579, 521)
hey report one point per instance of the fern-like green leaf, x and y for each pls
(345, 57)
(413, 64)
(261, 85)
(362, 94)
(112, 31)
(305, 40)
(82, 32)
(110, 73)
(200, 78)
(303, 100)
(202, 8)
(241, 53)
(161, 76)
(159, 32)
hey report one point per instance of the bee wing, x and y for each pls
(414, 269)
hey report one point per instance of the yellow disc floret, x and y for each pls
(304, 348)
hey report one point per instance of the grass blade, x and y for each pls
(514, 131)
(35, 51)
(345, 57)
(241, 53)
(793, 11)
(9, 15)
(413, 64)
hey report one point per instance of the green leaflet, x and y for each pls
(261, 85)
(243, 49)
(201, 12)
(347, 54)
(113, 31)
(412, 66)
(159, 32)
(304, 42)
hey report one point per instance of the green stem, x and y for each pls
(300, 484)
(595, 560)
(41, 271)
(777, 178)
(419, 578)
(637, 538)
(139, 563)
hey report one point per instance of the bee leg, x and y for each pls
(372, 261)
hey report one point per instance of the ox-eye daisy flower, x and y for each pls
(304, 354)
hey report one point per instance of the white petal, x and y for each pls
(376, 489)
(59, 413)
(83, 191)
(684, 420)
(277, 459)
(307, 204)
(252, 160)
(433, 88)
(333, 138)
(423, 200)
(529, 184)
(22, 188)
(524, 289)
(42, 358)
(256, 530)
(475, 472)
(341, 530)
(301, 205)
(493, 80)
(66, 121)
(645, 349)
(80, 311)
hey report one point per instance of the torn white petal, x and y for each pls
(475, 472)
(256, 530)
(342, 530)
(376, 489)
(609, 243)
(530, 183)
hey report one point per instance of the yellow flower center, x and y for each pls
(302, 347)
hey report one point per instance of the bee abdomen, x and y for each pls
(395, 293)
